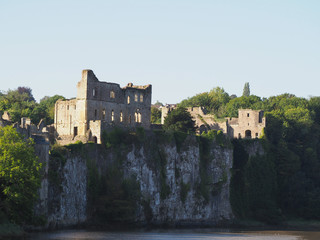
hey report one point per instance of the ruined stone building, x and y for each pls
(249, 124)
(100, 106)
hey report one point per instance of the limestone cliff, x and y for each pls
(158, 179)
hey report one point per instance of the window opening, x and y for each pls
(248, 134)
(112, 94)
(137, 116)
(136, 97)
(121, 117)
(75, 131)
(128, 99)
(112, 115)
(141, 97)
(260, 117)
(103, 114)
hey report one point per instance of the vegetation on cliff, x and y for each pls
(19, 177)
(284, 183)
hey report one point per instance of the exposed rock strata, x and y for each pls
(68, 201)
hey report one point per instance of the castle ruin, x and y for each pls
(249, 124)
(100, 106)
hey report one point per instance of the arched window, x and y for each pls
(136, 97)
(141, 97)
(121, 117)
(136, 117)
(112, 94)
(112, 116)
(128, 99)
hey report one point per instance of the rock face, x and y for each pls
(181, 183)
(67, 206)
(184, 203)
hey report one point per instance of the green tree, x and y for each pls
(179, 120)
(314, 105)
(19, 103)
(252, 102)
(158, 103)
(214, 101)
(26, 91)
(45, 110)
(246, 90)
(155, 115)
(19, 175)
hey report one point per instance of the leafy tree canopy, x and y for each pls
(232, 107)
(179, 119)
(157, 103)
(213, 101)
(19, 175)
(155, 115)
(21, 103)
(45, 110)
(246, 90)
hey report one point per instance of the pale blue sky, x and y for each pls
(181, 47)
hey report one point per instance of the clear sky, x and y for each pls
(181, 47)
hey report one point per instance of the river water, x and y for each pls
(194, 234)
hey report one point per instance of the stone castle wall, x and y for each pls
(99, 106)
(205, 121)
(249, 124)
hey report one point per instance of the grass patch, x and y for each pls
(76, 147)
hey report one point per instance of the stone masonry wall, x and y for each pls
(125, 107)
